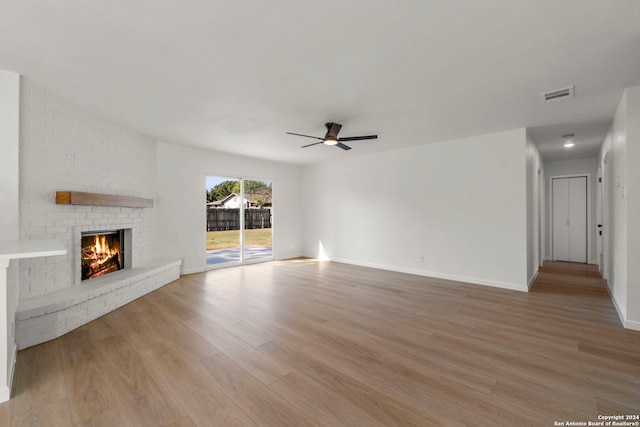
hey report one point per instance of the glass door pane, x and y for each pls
(223, 221)
(257, 220)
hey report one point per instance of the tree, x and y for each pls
(225, 188)
(252, 187)
(222, 190)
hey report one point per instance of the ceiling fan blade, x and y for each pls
(306, 136)
(344, 147)
(358, 138)
(309, 145)
(332, 130)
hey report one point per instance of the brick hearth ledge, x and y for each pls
(51, 315)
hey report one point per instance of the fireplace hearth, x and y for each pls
(102, 252)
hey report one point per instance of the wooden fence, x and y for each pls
(229, 219)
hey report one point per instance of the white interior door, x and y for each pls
(560, 219)
(578, 219)
(570, 219)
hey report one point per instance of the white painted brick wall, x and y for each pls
(66, 147)
(43, 318)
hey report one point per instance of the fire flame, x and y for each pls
(101, 250)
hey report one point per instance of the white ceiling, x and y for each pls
(235, 76)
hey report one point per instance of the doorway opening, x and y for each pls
(570, 219)
(602, 217)
(239, 221)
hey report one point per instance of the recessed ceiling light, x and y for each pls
(569, 140)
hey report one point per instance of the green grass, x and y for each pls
(231, 238)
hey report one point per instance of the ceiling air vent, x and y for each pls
(556, 95)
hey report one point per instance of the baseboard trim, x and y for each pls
(621, 314)
(291, 255)
(192, 270)
(5, 394)
(632, 324)
(465, 279)
(12, 368)
(533, 279)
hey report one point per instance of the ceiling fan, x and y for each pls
(331, 138)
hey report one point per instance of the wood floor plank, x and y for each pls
(29, 418)
(90, 388)
(165, 328)
(557, 404)
(204, 401)
(104, 326)
(244, 330)
(55, 414)
(263, 368)
(139, 327)
(39, 378)
(262, 406)
(116, 416)
(168, 302)
(413, 387)
(319, 404)
(609, 407)
(308, 342)
(184, 422)
(6, 413)
(571, 373)
(140, 386)
(412, 354)
(385, 408)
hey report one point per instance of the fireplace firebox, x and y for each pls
(102, 252)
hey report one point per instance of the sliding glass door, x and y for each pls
(223, 221)
(239, 221)
(257, 220)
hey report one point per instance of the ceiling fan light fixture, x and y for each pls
(331, 137)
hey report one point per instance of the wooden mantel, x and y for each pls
(95, 199)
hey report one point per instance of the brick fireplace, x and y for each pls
(65, 147)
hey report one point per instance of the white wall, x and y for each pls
(67, 147)
(535, 169)
(9, 219)
(9, 149)
(620, 155)
(455, 209)
(615, 149)
(574, 167)
(181, 198)
(632, 196)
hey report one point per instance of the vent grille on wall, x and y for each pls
(556, 95)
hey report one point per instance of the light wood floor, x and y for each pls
(317, 343)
